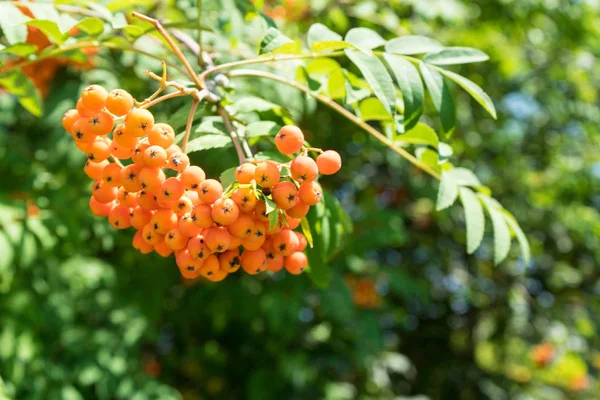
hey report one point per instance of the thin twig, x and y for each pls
(188, 125)
(232, 133)
(174, 47)
(163, 98)
(341, 110)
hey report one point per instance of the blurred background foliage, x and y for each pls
(407, 313)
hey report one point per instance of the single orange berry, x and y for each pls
(189, 267)
(187, 226)
(119, 102)
(217, 276)
(155, 156)
(267, 174)
(81, 132)
(140, 217)
(260, 211)
(164, 220)
(245, 173)
(245, 198)
(299, 211)
(120, 152)
(162, 249)
(161, 135)
(82, 110)
(217, 239)
(234, 243)
(178, 161)
(139, 122)
(202, 216)
(126, 198)
(147, 200)
(296, 262)
(150, 234)
(329, 162)
(257, 238)
(69, 119)
(289, 139)
(111, 174)
(102, 192)
(274, 261)
(182, 206)
(210, 266)
(94, 97)
(171, 190)
(254, 261)
(151, 178)
(130, 178)
(124, 138)
(285, 195)
(192, 177)
(100, 209)
(225, 211)
(176, 240)
(286, 242)
(139, 154)
(99, 149)
(304, 169)
(230, 261)
(209, 191)
(100, 123)
(310, 193)
(172, 149)
(242, 227)
(94, 169)
(292, 222)
(140, 244)
(120, 217)
(302, 242)
(198, 248)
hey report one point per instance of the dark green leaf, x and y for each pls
(474, 218)
(408, 45)
(411, 87)
(474, 90)
(440, 95)
(456, 55)
(21, 86)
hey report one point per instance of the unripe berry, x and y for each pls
(266, 174)
(209, 191)
(284, 195)
(161, 135)
(119, 102)
(192, 177)
(230, 261)
(139, 122)
(329, 162)
(304, 169)
(310, 193)
(296, 262)
(225, 211)
(289, 139)
(244, 174)
(254, 261)
(120, 217)
(94, 97)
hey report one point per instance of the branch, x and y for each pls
(341, 110)
(163, 98)
(232, 133)
(176, 49)
(188, 125)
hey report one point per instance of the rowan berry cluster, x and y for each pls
(176, 210)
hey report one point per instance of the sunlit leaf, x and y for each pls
(420, 134)
(262, 128)
(474, 218)
(447, 192)
(371, 109)
(501, 232)
(456, 55)
(207, 142)
(408, 45)
(410, 85)
(21, 86)
(12, 23)
(364, 38)
(20, 49)
(321, 33)
(474, 90)
(440, 95)
(50, 29)
(521, 238)
(276, 42)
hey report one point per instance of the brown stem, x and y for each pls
(174, 47)
(163, 98)
(188, 125)
(232, 133)
(341, 110)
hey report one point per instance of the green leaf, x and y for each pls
(420, 134)
(474, 90)
(304, 77)
(253, 104)
(501, 232)
(207, 142)
(464, 177)
(354, 92)
(364, 39)
(276, 42)
(19, 84)
(330, 45)
(273, 218)
(377, 76)
(456, 55)
(474, 218)
(371, 109)
(320, 33)
(43, 11)
(270, 206)
(262, 128)
(447, 192)
(227, 177)
(429, 157)
(336, 85)
(91, 25)
(50, 29)
(20, 49)
(408, 45)
(410, 85)
(119, 21)
(133, 32)
(440, 95)
(12, 23)
(521, 238)
(306, 231)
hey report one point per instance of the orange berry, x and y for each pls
(111, 174)
(119, 102)
(130, 178)
(82, 110)
(202, 216)
(139, 122)
(225, 211)
(210, 266)
(276, 228)
(100, 123)
(242, 227)
(274, 261)
(120, 152)
(217, 239)
(150, 234)
(81, 132)
(172, 189)
(230, 261)
(302, 242)
(286, 242)
(176, 240)
(140, 217)
(292, 222)
(161, 135)
(304, 169)
(254, 261)
(69, 119)
(178, 161)
(266, 174)
(296, 262)
(81, 146)
(192, 177)
(139, 154)
(299, 211)
(182, 206)
(261, 211)
(209, 191)
(289, 139)
(163, 221)
(329, 162)
(310, 193)
(217, 276)
(257, 238)
(100, 209)
(193, 196)
(120, 217)
(151, 178)
(155, 156)
(285, 195)
(126, 198)
(94, 97)
(99, 149)
(245, 173)
(146, 200)
(187, 226)
(94, 169)
(140, 244)
(162, 249)
(198, 248)
(102, 192)
(172, 149)
(234, 243)
(245, 198)
(124, 138)
(189, 267)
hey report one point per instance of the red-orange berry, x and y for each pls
(188, 266)
(120, 152)
(202, 216)
(230, 261)
(296, 262)
(140, 244)
(286, 242)
(139, 154)
(178, 161)
(81, 132)
(242, 227)
(217, 239)
(257, 238)
(94, 97)
(119, 102)
(139, 122)
(209, 191)
(225, 211)
(130, 178)
(161, 135)
(285, 195)
(234, 243)
(302, 242)
(111, 174)
(310, 193)
(292, 222)
(150, 234)
(176, 240)
(140, 217)
(304, 169)
(120, 217)
(192, 177)
(69, 119)
(260, 211)
(163, 221)
(100, 123)
(329, 162)
(267, 174)
(274, 261)
(254, 261)
(100, 209)
(217, 276)
(244, 174)
(102, 192)
(94, 169)
(289, 139)
(245, 198)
